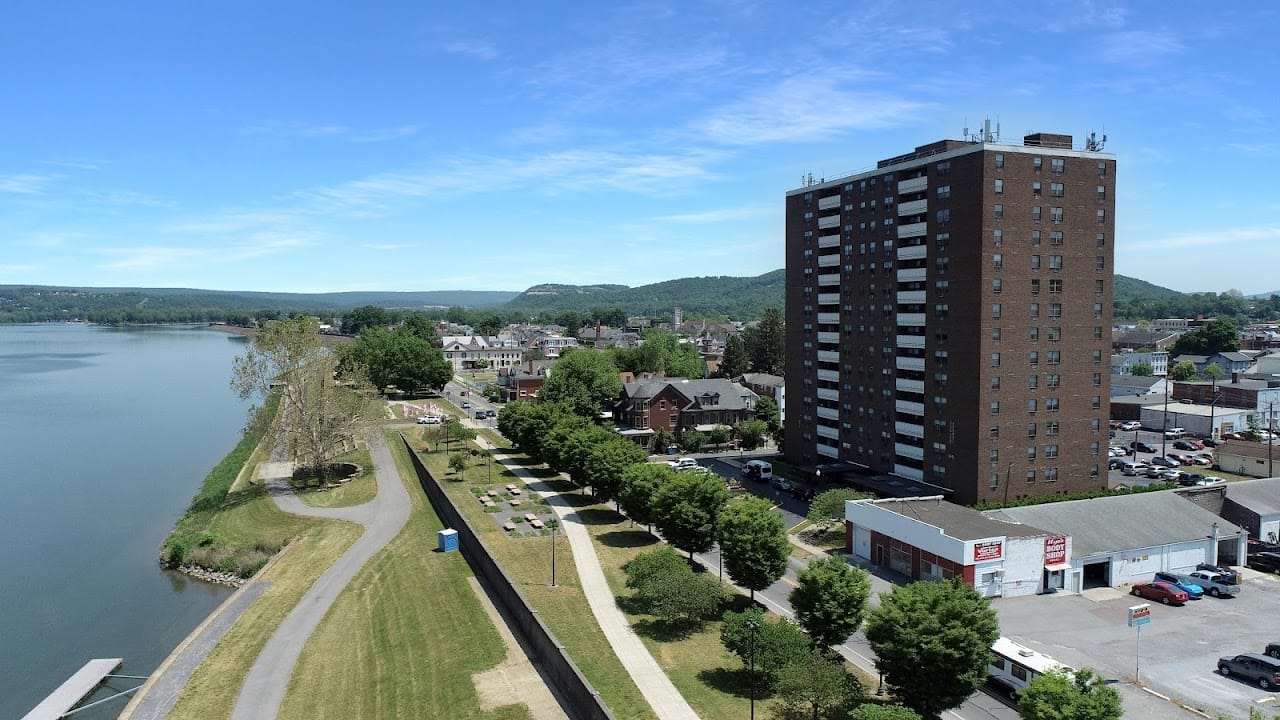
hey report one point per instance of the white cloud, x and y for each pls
(276, 128)
(721, 215)
(385, 134)
(1138, 47)
(807, 107)
(1231, 236)
(388, 247)
(151, 257)
(18, 269)
(480, 49)
(30, 184)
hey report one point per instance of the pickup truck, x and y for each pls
(1213, 583)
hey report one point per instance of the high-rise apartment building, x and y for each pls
(949, 317)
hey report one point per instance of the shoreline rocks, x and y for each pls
(216, 577)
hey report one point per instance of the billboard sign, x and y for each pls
(990, 550)
(1055, 550)
(1139, 615)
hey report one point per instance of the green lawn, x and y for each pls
(405, 636)
(357, 492)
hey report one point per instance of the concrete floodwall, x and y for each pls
(574, 689)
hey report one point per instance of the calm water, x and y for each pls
(105, 435)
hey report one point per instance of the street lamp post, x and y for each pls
(553, 553)
(1164, 424)
(753, 626)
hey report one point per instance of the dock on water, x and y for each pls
(75, 689)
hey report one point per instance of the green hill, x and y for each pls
(1128, 290)
(735, 297)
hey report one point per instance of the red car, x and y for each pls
(1162, 591)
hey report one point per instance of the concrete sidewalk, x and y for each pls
(657, 688)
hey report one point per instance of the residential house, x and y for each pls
(470, 352)
(524, 382)
(1122, 363)
(765, 384)
(678, 404)
(1136, 340)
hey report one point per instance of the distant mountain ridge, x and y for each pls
(735, 297)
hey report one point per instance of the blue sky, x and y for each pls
(323, 146)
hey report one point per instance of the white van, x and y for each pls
(429, 420)
(757, 470)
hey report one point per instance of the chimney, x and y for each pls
(1235, 376)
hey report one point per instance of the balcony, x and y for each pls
(828, 241)
(912, 275)
(908, 451)
(909, 407)
(908, 429)
(829, 260)
(911, 230)
(907, 472)
(828, 202)
(828, 432)
(828, 394)
(829, 337)
(829, 375)
(914, 207)
(911, 386)
(911, 319)
(830, 356)
(913, 252)
(830, 451)
(828, 280)
(828, 318)
(829, 298)
(829, 221)
(913, 185)
(910, 363)
(827, 413)
(911, 341)
(911, 297)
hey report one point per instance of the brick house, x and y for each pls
(678, 404)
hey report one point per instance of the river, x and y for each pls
(105, 435)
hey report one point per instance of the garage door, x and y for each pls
(862, 543)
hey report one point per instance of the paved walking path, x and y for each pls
(666, 701)
(383, 517)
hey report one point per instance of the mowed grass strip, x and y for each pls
(357, 492)
(527, 562)
(211, 692)
(405, 636)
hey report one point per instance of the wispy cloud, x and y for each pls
(30, 184)
(808, 107)
(49, 240)
(753, 212)
(476, 48)
(385, 134)
(18, 269)
(150, 257)
(1138, 47)
(1262, 148)
(1230, 236)
(277, 128)
(388, 247)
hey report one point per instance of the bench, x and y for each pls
(515, 491)
(530, 517)
(515, 502)
(537, 524)
(509, 526)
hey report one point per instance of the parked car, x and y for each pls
(684, 463)
(1210, 481)
(1116, 463)
(1203, 459)
(1252, 667)
(1185, 444)
(465, 405)
(1174, 433)
(1173, 476)
(1141, 446)
(1273, 649)
(1131, 425)
(1189, 479)
(1182, 582)
(1225, 574)
(429, 420)
(1165, 461)
(1134, 468)
(1264, 561)
(1214, 583)
(1162, 591)
(757, 470)
(1195, 443)
(781, 483)
(1212, 442)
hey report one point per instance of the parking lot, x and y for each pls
(1116, 478)
(1180, 646)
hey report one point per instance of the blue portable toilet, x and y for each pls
(448, 540)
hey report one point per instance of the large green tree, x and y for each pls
(828, 506)
(776, 644)
(607, 462)
(940, 631)
(830, 600)
(640, 482)
(687, 508)
(1182, 370)
(734, 361)
(583, 381)
(421, 326)
(1142, 369)
(815, 687)
(360, 319)
(766, 343)
(767, 412)
(753, 543)
(667, 588)
(1080, 695)
(1215, 336)
(401, 359)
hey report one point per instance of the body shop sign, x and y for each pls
(1055, 550)
(991, 550)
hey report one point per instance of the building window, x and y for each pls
(1097, 332)
(1056, 190)
(1055, 287)
(944, 215)
(1031, 430)
(944, 192)
(1055, 214)
(995, 359)
(1095, 402)
(995, 382)
(1097, 311)
(1051, 452)
(1099, 262)
(1037, 162)
(1102, 192)
(1035, 238)
(944, 167)
(1031, 480)
(995, 334)
(942, 239)
(1000, 186)
(1055, 262)
(1031, 453)
(1099, 286)
(1102, 216)
(998, 210)
(1093, 448)
(995, 311)
(1033, 382)
(1097, 379)
(994, 432)
(997, 261)
(1102, 167)
(1055, 237)
(993, 481)
(1000, 160)
(1052, 380)
(1034, 333)
(1051, 474)
(1035, 189)
(1057, 165)
(996, 285)
(1054, 357)
(1035, 213)
(1093, 471)
(1035, 287)
(997, 237)
(1055, 334)
(1031, 406)
(1095, 424)
(1097, 357)
(1051, 428)
(1034, 357)
(1051, 404)
(993, 456)
(995, 408)
(1035, 262)
(1101, 240)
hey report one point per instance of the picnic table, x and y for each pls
(515, 502)
(488, 503)
(537, 524)
(530, 517)
(509, 526)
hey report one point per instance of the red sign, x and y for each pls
(988, 550)
(1055, 550)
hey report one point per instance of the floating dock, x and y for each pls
(76, 688)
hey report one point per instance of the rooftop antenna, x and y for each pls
(1093, 144)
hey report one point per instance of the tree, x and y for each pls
(753, 543)
(640, 482)
(1081, 695)
(401, 359)
(720, 434)
(321, 414)
(777, 644)
(942, 631)
(814, 687)
(766, 343)
(457, 463)
(829, 505)
(421, 326)
(751, 434)
(1183, 370)
(830, 600)
(1212, 371)
(1141, 369)
(584, 381)
(360, 319)
(767, 412)
(734, 360)
(607, 462)
(691, 441)
(872, 711)
(668, 588)
(686, 508)
(653, 568)
(1213, 337)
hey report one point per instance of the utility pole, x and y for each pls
(1164, 438)
(1271, 472)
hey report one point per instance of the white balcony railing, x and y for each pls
(828, 432)
(830, 356)
(909, 451)
(908, 429)
(913, 252)
(913, 185)
(828, 222)
(828, 298)
(911, 297)
(911, 341)
(828, 394)
(827, 413)
(828, 202)
(830, 451)
(828, 375)
(914, 207)
(910, 363)
(912, 275)
(909, 407)
(911, 319)
(911, 230)
(911, 386)
(827, 241)
(907, 472)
